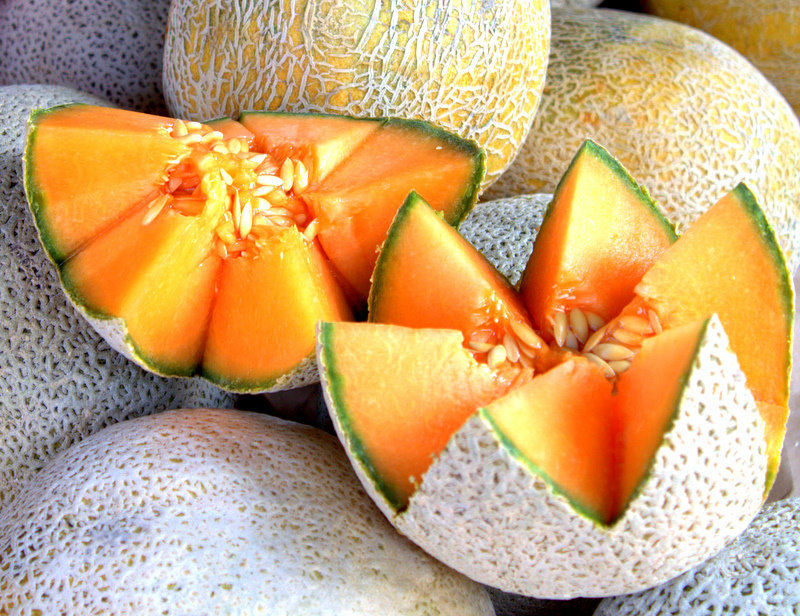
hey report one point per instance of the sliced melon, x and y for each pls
(217, 247)
(611, 466)
(600, 234)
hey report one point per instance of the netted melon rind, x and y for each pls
(110, 48)
(476, 70)
(688, 116)
(504, 231)
(758, 573)
(481, 511)
(209, 511)
(59, 381)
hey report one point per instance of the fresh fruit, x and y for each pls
(221, 246)
(685, 114)
(476, 70)
(766, 32)
(596, 466)
(110, 48)
(209, 512)
(756, 574)
(59, 381)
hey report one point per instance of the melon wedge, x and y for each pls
(605, 469)
(600, 234)
(214, 249)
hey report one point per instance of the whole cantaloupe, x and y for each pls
(476, 69)
(59, 381)
(688, 116)
(214, 512)
(111, 48)
(767, 32)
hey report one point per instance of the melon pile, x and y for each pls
(605, 428)
(603, 420)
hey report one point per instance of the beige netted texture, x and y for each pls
(486, 513)
(688, 117)
(59, 381)
(767, 32)
(213, 512)
(110, 48)
(758, 573)
(504, 231)
(476, 69)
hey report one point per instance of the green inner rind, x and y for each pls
(535, 469)
(768, 238)
(250, 386)
(334, 385)
(385, 256)
(36, 199)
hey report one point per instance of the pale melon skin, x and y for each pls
(767, 32)
(59, 381)
(758, 573)
(110, 48)
(484, 512)
(214, 512)
(476, 70)
(688, 116)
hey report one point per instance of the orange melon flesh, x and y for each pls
(159, 277)
(358, 201)
(398, 424)
(561, 423)
(81, 202)
(743, 279)
(263, 321)
(321, 142)
(417, 249)
(179, 231)
(599, 236)
(648, 396)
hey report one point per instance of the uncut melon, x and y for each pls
(208, 511)
(474, 69)
(60, 381)
(758, 573)
(574, 459)
(766, 32)
(111, 48)
(221, 245)
(685, 114)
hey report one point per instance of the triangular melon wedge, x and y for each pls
(214, 249)
(600, 234)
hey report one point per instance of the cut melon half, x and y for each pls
(611, 466)
(215, 248)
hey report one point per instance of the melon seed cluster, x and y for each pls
(507, 344)
(258, 194)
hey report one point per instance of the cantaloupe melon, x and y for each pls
(688, 116)
(757, 573)
(60, 381)
(213, 512)
(565, 469)
(474, 69)
(766, 32)
(110, 48)
(220, 246)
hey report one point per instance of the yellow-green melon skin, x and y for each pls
(688, 116)
(475, 69)
(206, 511)
(767, 32)
(481, 509)
(59, 380)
